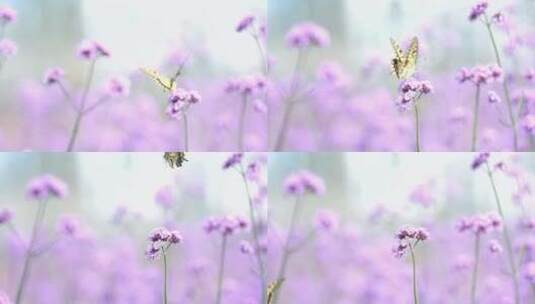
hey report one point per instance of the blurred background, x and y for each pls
(399, 188)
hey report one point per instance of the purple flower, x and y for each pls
(478, 10)
(495, 247)
(164, 197)
(530, 75)
(480, 159)
(245, 23)
(409, 236)
(53, 75)
(246, 248)
(326, 220)
(46, 186)
(68, 225)
(7, 15)
(233, 160)
(180, 100)
(8, 48)
(225, 225)
(90, 50)
(304, 182)
(307, 34)
(464, 75)
(160, 240)
(5, 216)
(479, 224)
(528, 123)
(528, 271)
(493, 97)
(498, 18)
(175, 237)
(117, 87)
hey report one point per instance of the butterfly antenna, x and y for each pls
(179, 70)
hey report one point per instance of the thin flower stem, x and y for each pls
(505, 85)
(81, 109)
(287, 250)
(186, 132)
(256, 241)
(475, 121)
(475, 270)
(241, 123)
(417, 126)
(221, 269)
(164, 254)
(414, 286)
(26, 269)
(263, 56)
(289, 103)
(508, 243)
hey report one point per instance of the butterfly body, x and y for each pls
(404, 65)
(272, 290)
(175, 159)
(168, 84)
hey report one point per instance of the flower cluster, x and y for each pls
(480, 159)
(307, 34)
(8, 48)
(7, 15)
(304, 182)
(245, 23)
(233, 160)
(5, 216)
(46, 186)
(479, 224)
(68, 225)
(117, 87)
(409, 237)
(165, 197)
(225, 225)
(478, 10)
(91, 50)
(411, 90)
(493, 97)
(53, 76)
(326, 220)
(480, 75)
(180, 100)
(246, 86)
(160, 240)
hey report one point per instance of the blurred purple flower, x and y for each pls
(478, 10)
(530, 75)
(326, 220)
(5, 216)
(7, 15)
(160, 240)
(245, 23)
(480, 159)
(528, 123)
(46, 186)
(303, 182)
(307, 34)
(117, 87)
(233, 160)
(8, 48)
(165, 197)
(493, 98)
(495, 247)
(225, 225)
(91, 50)
(246, 248)
(53, 75)
(68, 225)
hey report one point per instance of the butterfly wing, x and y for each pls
(398, 60)
(168, 157)
(409, 64)
(272, 290)
(166, 83)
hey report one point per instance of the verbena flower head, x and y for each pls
(530, 75)
(225, 225)
(8, 48)
(411, 89)
(7, 15)
(409, 236)
(46, 186)
(495, 247)
(479, 224)
(245, 23)
(53, 76)
(478, 10)
(117, 87)
(180, 100)
(165, 197)
(480, 75)
(480, 159)
(326, 220)
(304, 182)
(307, 34)
(5, 216)
(160, 240)
(91, 50)
(246, 248)
(528, 271)
(68, 225)
(528, 123)
(498, 18)
(233, 160)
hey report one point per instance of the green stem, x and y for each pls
(221, 269)
(414, 286)
(254, 231)
(475, 121)
(164, 254)
(81, 108)
(241, 123)
(417, 125)
(505, 85)
(508, 243)
(186, 132)
(475, 270)
(286, 250)
(37, 223)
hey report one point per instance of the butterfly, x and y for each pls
(168, 84)
(404, 65)
(175, 159)
(272, 290)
